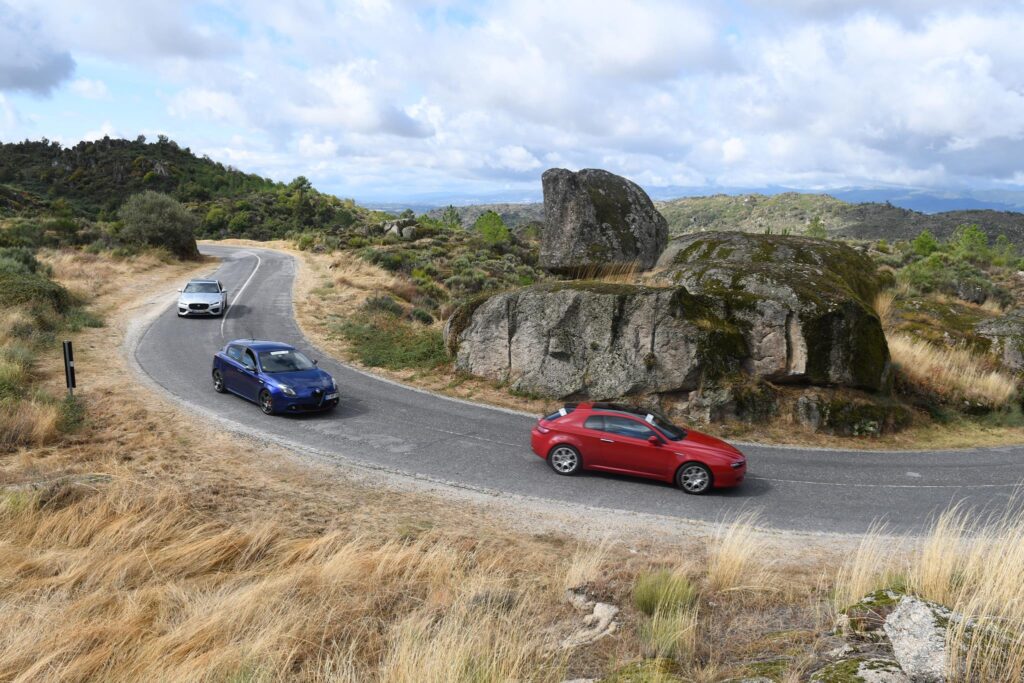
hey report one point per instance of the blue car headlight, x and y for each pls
(287, 390)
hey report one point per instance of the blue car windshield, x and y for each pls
(285, 360)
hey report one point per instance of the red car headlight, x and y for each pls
(543, 430)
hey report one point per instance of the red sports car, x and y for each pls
(626, 440)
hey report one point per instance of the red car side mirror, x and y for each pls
(654, 441)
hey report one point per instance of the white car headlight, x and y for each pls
(287, 390)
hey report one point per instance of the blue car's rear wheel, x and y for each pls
(266, 402)
(218, 382)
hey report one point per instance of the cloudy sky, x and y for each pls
(382, 100)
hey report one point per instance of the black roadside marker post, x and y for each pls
(69, 367)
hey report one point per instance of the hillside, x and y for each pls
(91, 181)
(94, 178)
(793, 212)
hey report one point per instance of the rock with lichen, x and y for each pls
(597, 222)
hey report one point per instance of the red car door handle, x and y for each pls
(607, 440)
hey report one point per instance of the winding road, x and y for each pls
(385, 425)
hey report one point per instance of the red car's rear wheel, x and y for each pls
(565, 460)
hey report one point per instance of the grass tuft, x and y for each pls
(663, 591)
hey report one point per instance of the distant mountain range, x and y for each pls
(785, 212)
(923, 201)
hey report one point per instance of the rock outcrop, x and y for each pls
(595, 340)
(800, 318)
(802, 303)
(1006, 335)
(596, 221)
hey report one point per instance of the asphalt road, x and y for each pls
(401, 429)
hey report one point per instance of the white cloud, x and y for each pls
(105, 130)
(402, 96)
(312, 148)
(205, 103)
(30, 59)
(90, 89)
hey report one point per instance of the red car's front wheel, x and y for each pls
(565, 460)
(694, 478)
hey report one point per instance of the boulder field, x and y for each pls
(780, 308)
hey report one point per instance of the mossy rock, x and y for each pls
(856, 670)
(808, 303)
(841, 414)
(660, 670)
(868, 614)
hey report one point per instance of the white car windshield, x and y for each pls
(202, 288)
(285, 360)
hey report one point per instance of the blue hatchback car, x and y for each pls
(275, 376)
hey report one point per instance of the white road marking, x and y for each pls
(890, 486)
(224, 318)
(915, 475)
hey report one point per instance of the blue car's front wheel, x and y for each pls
(266, 402)
(218, 382)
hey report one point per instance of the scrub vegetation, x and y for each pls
(37, 310)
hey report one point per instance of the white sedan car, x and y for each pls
(202, 298)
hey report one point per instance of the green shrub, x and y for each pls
(491, 228)
(970, 243)
(72, 415)
(384, 304)
(21, 259)
(33, 290)
(816, 229)
(151, 219)
(422, 316)
(663, 591)
(78, 317)
(925, 244)
(385, 342)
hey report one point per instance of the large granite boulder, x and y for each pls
(595, 340)
(803, 305)
(596, 221)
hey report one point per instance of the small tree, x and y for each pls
(450, 218)
(151, 219)
(491, 228)
(925, 244)
(970, 242)
(816, 229)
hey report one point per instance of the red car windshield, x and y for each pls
(670, 431)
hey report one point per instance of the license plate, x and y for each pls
(331, 397)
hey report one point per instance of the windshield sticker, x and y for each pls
(562, 412)
(650, 418)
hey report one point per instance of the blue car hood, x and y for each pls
(313, 378)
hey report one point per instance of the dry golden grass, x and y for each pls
(954, 373)
(126, 583)
(735, 556)
(27, 423)
(884, 305)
